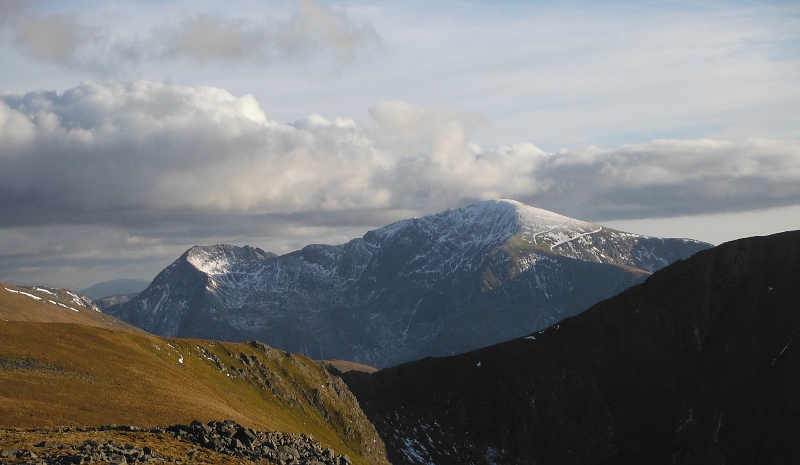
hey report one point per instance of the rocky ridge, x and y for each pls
(224, 437)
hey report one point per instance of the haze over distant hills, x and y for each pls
(115, 287)
(436, 285)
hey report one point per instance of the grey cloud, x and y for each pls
(672, 177)
(9, 10)
(313, 30)
(209, 38)
(51, 38)
(315, 26)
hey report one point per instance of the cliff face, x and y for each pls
(698, 364)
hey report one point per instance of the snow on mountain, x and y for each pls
(435, 285)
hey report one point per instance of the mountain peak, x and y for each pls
(496, 221)
(218, 259)
(533, 221)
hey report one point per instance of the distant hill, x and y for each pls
(437, 285)
(115, 287)
(65, 364)
(699, 364)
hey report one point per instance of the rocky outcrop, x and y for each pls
(224, 437)
(230, 438)
(56, 453)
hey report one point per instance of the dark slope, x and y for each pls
(699, 364)
(437, 285)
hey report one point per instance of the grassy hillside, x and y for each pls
(80, 369)
(51, 306)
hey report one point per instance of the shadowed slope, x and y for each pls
(699, 364)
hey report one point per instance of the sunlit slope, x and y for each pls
(70, 374)
(49, 305)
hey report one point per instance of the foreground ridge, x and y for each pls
(698, 364)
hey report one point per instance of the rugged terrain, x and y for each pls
(66, 365)
(698, 364)
(436, 285)
(212, 442)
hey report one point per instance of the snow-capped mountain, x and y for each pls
(436, 285)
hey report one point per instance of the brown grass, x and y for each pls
(344, 366)
(91, 374)
(20, 307)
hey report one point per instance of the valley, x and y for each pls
(692, 361)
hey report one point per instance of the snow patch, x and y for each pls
(36, 297)
(41, 289)
(62, 305)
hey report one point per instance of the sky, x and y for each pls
(132, 130)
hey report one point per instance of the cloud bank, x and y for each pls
(109, 153)
(122, 177)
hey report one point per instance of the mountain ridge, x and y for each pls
(420, 286)
(697, 364)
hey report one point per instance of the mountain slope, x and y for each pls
(699, 364)
(436, 285)
(88, 373)
(48, 305)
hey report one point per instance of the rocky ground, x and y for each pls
(217, 442)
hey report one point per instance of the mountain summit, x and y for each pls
(436, 285)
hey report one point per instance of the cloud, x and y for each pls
(667, 178)
(125, 153)
(318, 27)
(106, 174)
(313, 30)
(209, 38)
(51, 38)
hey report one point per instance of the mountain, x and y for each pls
(698, 364)
(115, 287)
(65, 367)
(437, 285)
